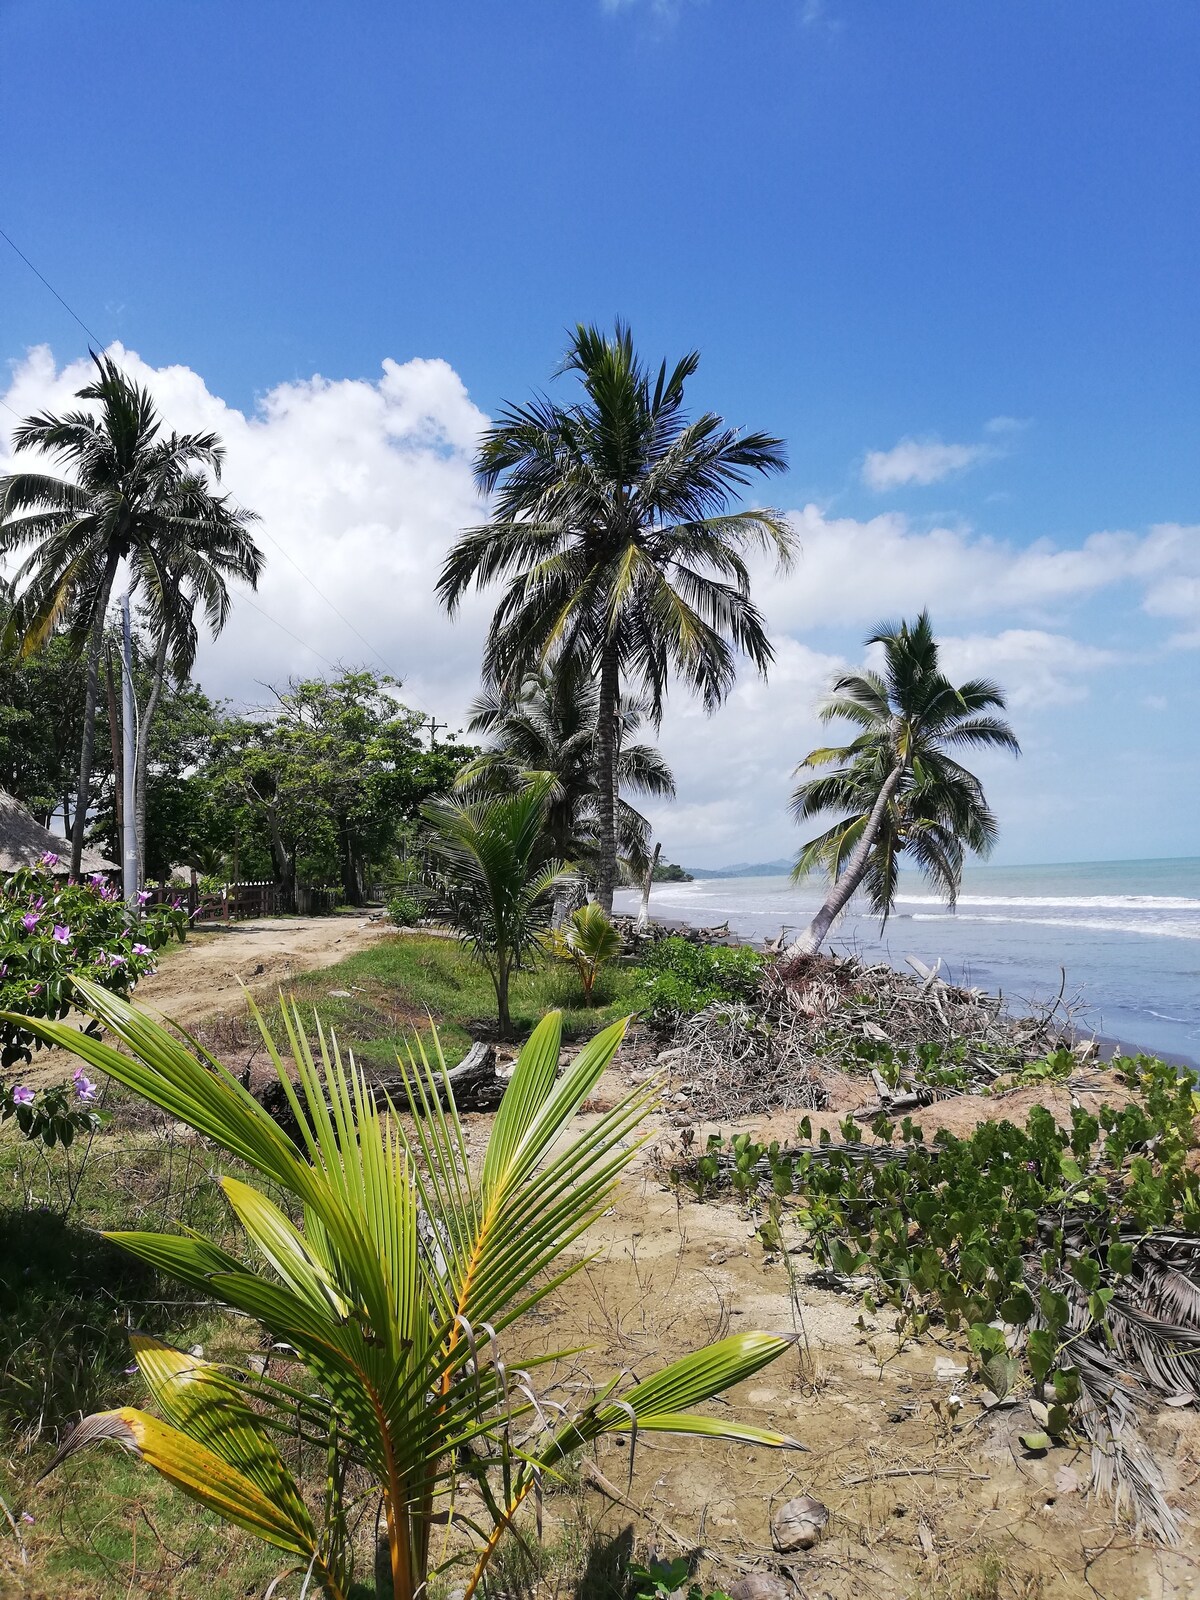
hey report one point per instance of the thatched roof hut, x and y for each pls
(23, 842)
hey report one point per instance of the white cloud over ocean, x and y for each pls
(364, 483)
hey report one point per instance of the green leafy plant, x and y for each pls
(1022, 1238)
(52, 932)
(677, 978)
(489, 871)
(662, 1579)
(589, 941)
(395, 1289)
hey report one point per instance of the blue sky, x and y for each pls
(948, 252)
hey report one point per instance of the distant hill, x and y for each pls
(746, 869)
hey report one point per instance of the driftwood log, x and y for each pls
(474, 1084)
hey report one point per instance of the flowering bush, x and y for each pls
(51, 932)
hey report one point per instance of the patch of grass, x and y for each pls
(399, 982)
(104, 1526)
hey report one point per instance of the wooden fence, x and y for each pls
(234, 902)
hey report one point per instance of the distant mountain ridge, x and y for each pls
(746, 869)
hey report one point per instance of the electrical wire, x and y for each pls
(93, 336)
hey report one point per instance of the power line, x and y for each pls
(94, 337)
(289, 557)
(285, 553)
(332, 665)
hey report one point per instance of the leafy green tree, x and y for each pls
(548, 724)
(41, 724)
(132, 495)
(897, 785)
(395, 1288)
(331, 777)
(612, 522)
(490, 872)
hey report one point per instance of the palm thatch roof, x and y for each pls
(23, 842)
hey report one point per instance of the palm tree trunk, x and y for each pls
(89, 711)
(502, 976)
(606, 773)
(643, 920)
(142, 770)
(840, 891)
(114, 739)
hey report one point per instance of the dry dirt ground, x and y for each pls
(204, 975)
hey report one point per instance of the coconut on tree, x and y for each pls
(133, 494)
(613, 522)
(897, 785)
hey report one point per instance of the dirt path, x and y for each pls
(204, 976)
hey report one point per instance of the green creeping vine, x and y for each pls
(1020, 1236)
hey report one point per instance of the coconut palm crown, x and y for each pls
(612, 522)
(897, 785)
(132, 494)
(548, 724)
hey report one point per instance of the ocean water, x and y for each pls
(1125, 933)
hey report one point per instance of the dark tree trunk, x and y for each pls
(82, 799)
(840, 891)
(606, 774)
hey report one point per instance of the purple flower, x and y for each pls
(85, 1089)
(22, 1096)
(138, 950)
(142, 896)
(97, 878)
(38, 903)
(48, 860)
(30, 921)
(116, 961)
(61, 933)
(25, 1516)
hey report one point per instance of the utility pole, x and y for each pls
(129, 843)
(434, 725)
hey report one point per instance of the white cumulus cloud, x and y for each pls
(919, 461)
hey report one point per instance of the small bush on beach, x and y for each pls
(678, 978)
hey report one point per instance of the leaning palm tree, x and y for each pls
(548, 724)
(612, 523)
(897, 786)
(489, 870)
(389, 1269)
(131, 492)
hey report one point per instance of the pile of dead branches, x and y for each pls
(834, 1011)
(729, 1056)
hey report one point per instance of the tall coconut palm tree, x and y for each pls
(612, 523)
(548, 724)
(133, 495)
(897, 785)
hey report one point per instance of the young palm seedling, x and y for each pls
(395, 1288)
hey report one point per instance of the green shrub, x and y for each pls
(677, 978)
(404, 909)
(52, 932)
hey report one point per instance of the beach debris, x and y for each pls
(762, 1586)
(799, 1523)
